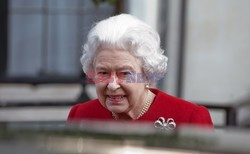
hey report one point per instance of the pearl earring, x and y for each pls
(147, 86)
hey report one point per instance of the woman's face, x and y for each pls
(114, 68)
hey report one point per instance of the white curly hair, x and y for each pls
(125, 32)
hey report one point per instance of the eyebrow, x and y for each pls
(123, 67)
(129, 67)
(101, 67)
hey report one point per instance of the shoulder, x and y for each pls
(164, 99)
(88, 110)
(201, 114)
(183, 111)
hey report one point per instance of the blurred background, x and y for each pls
(207, 43)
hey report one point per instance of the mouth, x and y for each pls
(116, 98)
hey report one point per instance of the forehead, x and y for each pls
(115, 58)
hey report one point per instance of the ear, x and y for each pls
(147, 78)
(150, 79)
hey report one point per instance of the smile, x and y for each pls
(116, 98)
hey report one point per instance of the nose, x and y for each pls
(113, 85)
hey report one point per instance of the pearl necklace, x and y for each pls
(144, 109)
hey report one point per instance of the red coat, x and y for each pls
(164, 105)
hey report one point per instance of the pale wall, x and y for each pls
(217, 51)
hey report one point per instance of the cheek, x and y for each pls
(134, 89)
(100, 91)
(136, 86)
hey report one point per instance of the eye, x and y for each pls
(126, 73)
(103, 73)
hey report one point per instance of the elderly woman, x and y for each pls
(123, 57)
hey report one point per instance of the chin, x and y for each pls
(116, 110)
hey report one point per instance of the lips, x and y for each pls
(116, 98)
